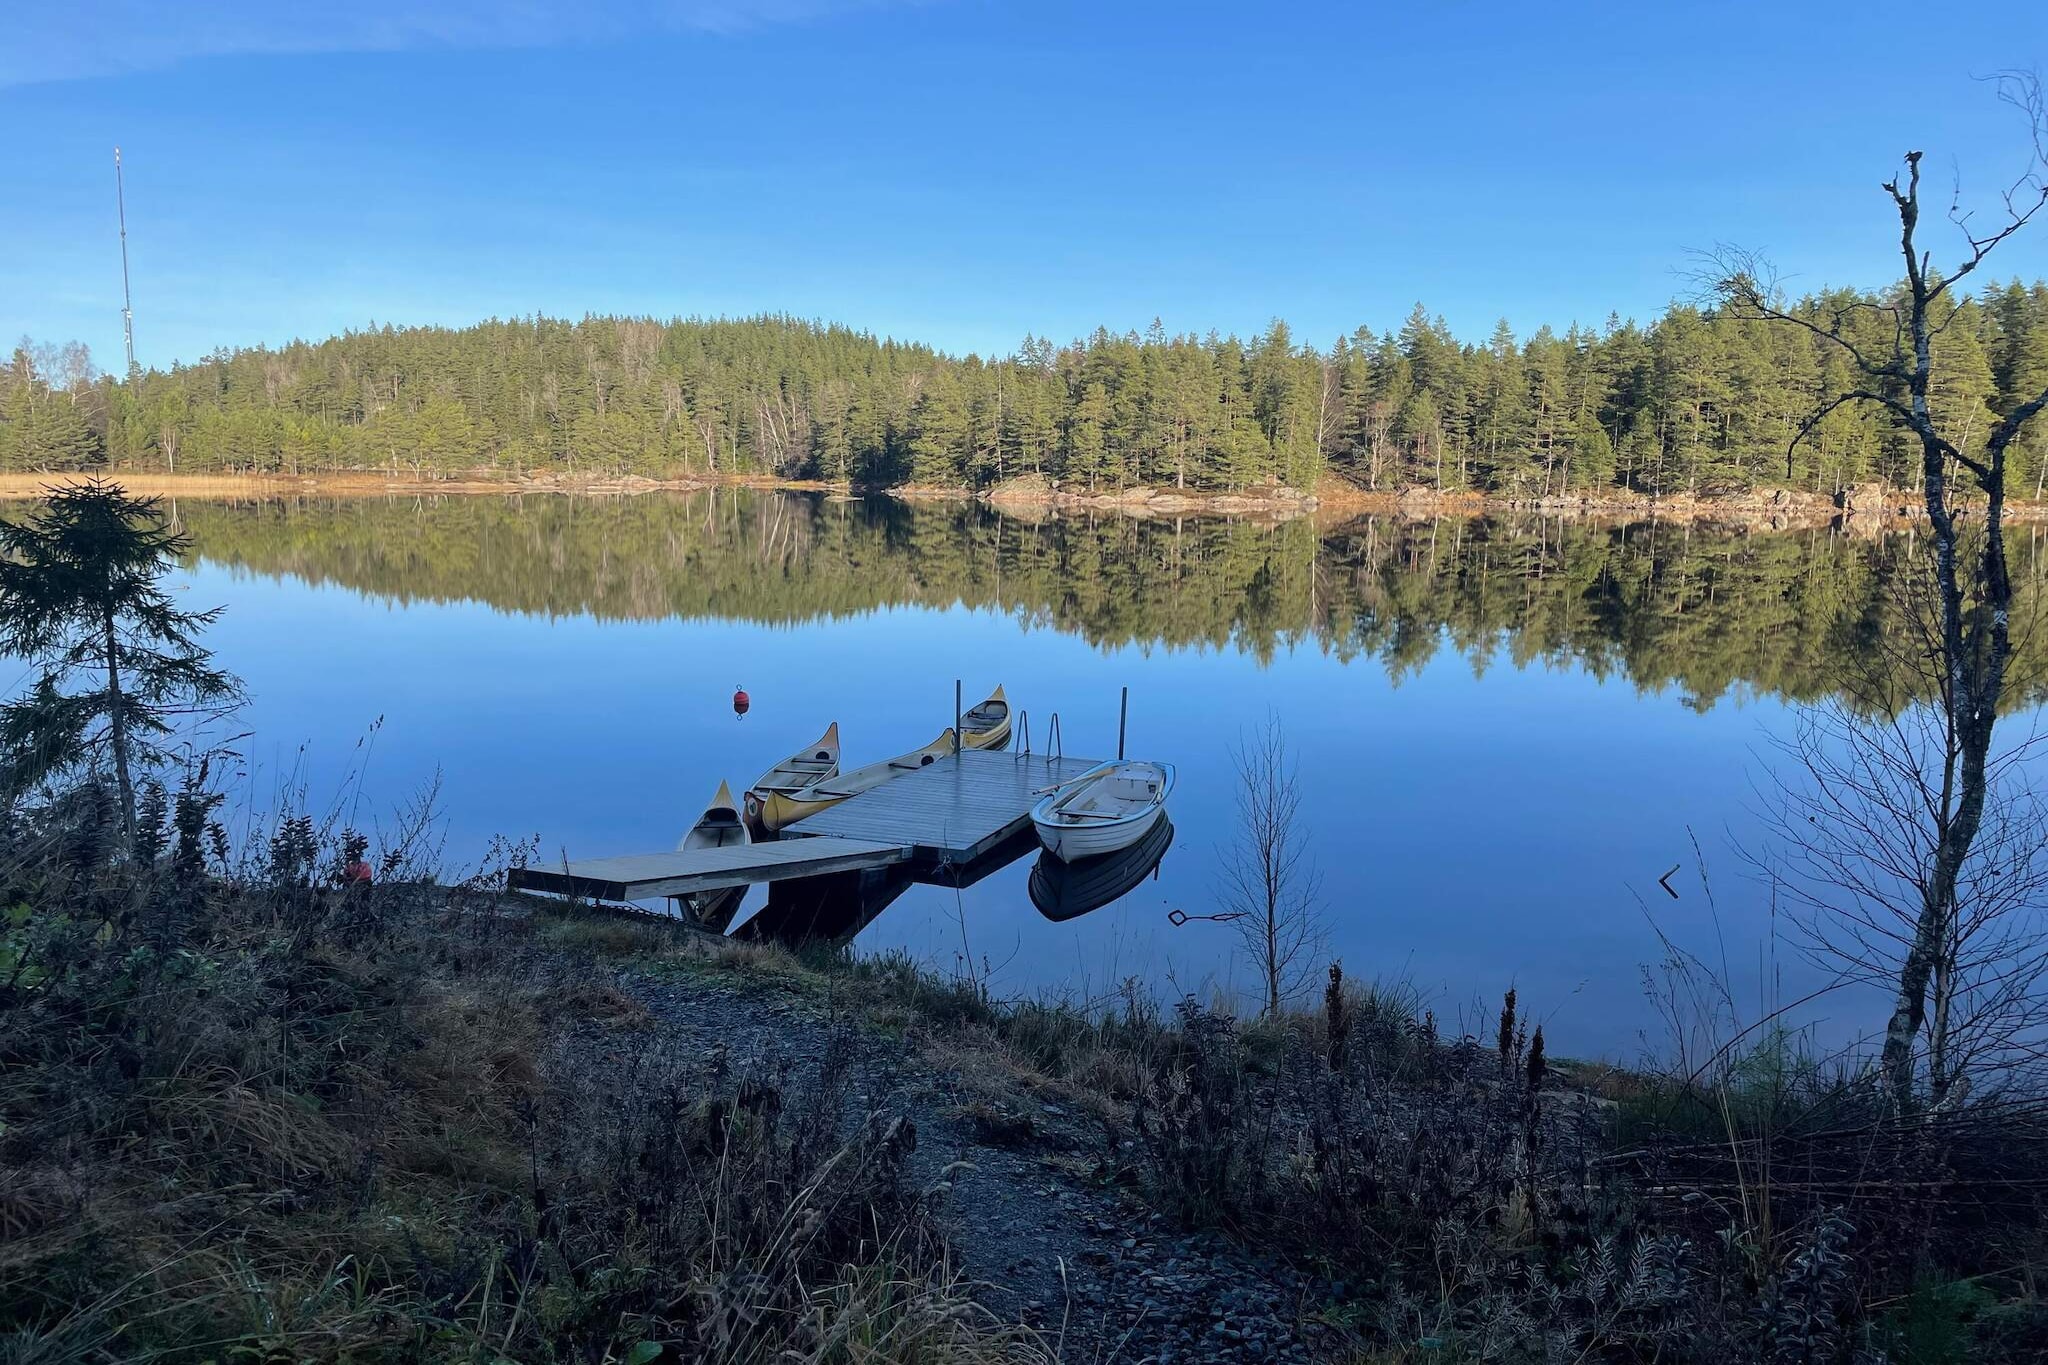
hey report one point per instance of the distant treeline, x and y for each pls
(1695, 403)
(1704, 610)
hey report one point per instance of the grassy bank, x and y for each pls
(1468, 1199)
(248, 1114)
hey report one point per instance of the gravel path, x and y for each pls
(1042, 1242)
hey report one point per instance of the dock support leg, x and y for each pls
(826, 909)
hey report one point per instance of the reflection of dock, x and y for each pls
(950, 823)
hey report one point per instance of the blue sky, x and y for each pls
(962, 171)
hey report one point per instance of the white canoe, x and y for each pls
(1107, 808)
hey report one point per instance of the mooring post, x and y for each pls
(1123, 718)
(957, 715)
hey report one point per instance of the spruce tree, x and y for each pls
(81, 598)
(1592, 459)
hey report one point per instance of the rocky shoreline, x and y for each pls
(1035, 491)
(1860, 508)
(1863, 508)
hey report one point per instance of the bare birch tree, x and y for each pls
(1270, 882)
(1854, 851)
(1889, 344)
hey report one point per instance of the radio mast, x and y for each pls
(127, 302)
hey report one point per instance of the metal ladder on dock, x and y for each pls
(1054, 746)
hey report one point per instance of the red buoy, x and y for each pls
(740, 701)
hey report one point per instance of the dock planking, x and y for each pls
(644, 876)
(934, 819)
(951, 811)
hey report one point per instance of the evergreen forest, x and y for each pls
(1697, 403)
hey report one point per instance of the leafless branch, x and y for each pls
(2024, 197)
(1268, 878)
(1747, 285)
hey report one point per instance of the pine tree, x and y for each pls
(80, 597)
(938, 433)
(1963, 385)
(1592, 454)
(1551, 421)
(1421, 427)
(45, 428)
(1087, 436)
(2023, 370)
(1503, 411)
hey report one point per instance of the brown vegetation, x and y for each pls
(246, 1110)
(1469, 1202)
(249, 1112)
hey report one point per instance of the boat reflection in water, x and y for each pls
(1067, 890)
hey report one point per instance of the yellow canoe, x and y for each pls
(814, 763)
(987, 724)
(719, 826)
(780, 809)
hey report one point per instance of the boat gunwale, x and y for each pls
(1044, 814)
(882, 769)
(987, 723)
(801, 764)
(719, 821)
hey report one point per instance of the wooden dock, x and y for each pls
(941, 823)
(645, 876)
(950, 812)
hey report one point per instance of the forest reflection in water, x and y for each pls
(1696, 606)
(1502, 726)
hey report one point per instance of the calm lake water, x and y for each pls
(1505, 732)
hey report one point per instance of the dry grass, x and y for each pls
(431, 1166)
(415, 1124)
(1472, 1195)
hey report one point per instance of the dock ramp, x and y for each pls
(950, 822)
(648, 876)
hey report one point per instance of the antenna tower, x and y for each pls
(127, 301)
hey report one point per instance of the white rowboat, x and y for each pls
(1107, 808)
